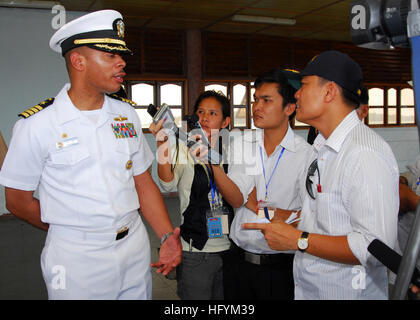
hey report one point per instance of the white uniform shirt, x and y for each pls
(359, 199)
(283, 190)
(80, 167)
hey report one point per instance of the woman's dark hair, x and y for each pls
(285, 89)
(224, 101)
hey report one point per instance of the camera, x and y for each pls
(164, 112)
(379, 24)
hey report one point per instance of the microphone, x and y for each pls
(390, 259)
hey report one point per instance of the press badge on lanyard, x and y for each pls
(265, 208)
(217, 215)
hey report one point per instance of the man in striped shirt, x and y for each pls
(350, 196)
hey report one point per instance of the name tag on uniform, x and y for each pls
(66, 143)
(124, 130)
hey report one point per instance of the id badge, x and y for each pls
(265, 210)
(217, 222)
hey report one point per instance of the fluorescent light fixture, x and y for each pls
(259, 19)
(28, 4)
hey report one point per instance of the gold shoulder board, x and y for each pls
(40, 106)
(131, 102)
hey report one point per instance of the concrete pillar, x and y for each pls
(194, 68)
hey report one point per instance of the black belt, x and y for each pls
(275, 259)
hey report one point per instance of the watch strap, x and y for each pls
(304, 236)
(165, 236)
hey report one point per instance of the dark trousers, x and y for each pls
(200, 276)
(272, 279)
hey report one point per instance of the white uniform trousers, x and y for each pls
(94, 265)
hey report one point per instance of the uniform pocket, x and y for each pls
(127, 146)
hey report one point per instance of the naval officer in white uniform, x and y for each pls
(86, 154)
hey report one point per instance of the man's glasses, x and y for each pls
(311, 172)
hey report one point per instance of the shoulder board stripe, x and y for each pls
(35, 109)
(131, 102)
(39, 107)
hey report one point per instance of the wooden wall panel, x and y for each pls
(380, 66)
(305, 51)
(267, 53)
(156, 52)
(232, 56)
(164, 52)
(225, 55)
(133, 41)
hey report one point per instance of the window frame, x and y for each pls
(385, 107)
(157, 83)
(230, 85)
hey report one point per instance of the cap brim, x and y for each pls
(294, 78)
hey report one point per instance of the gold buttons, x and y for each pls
(129, 164)
(64, 135)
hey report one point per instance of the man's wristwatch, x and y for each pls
(303, 242)
(165, 236)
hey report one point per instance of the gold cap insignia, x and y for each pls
(119, 26)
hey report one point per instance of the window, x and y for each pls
(240, 105)
(391, 106)
(144, 93)
(376, 107)
(407, 106)
(239, 94)
(388, 105)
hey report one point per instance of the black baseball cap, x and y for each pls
(338, 67)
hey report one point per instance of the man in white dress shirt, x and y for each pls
(350, 195)
(86, 154)
(273, 159)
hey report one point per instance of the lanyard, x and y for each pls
(272, 173)
(213, 188)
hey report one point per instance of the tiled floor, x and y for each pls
(20, 250)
